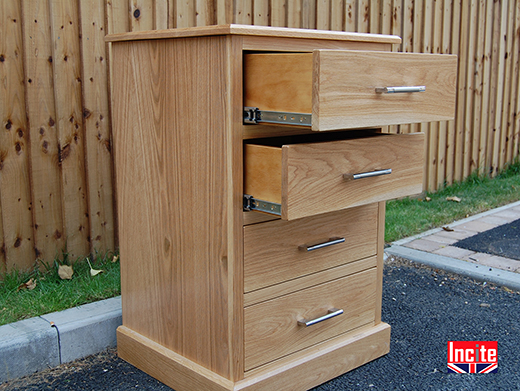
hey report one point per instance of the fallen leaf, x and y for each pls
(446, 228)
(454, 198)
(65, 272)
(427, 199)
(31, 284)
(115, 259)
(94, 272)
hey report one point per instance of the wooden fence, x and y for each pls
(56, 174)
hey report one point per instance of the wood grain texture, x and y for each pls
(263, 172)
(344, 89)
(272, 330)
(69, 122)
(317, 365)
(272, 254)
(322, 362)
(177, 168)
(165, 365)
(312, 176)
(15, 188)
(236, 29)
(49, 237)
(300, 283)
(96, 121)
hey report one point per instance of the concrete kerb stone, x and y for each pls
(47, 341)
(452, 265)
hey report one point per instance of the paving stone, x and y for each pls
(453, 252)
(457, 233)
(441, 239)
(477, 226)
(496, 220)
(424, 245)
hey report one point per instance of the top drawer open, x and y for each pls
(344, 89)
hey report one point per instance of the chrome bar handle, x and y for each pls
(369, 174)
(393, 90)
(330, 242)
(333, 312)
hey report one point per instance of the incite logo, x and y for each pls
(473, 356)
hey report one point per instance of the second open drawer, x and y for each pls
(300, 180)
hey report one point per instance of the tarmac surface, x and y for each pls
(425, 307)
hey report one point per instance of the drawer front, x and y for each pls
(278, 251)
(319, 177)
(339, 87)
(272, 330)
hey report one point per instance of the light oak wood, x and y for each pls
(263, 172)
(180, 283)
(317, 365)
(312, 173)
(236, 29)
(341, 94)
(272, 330)
(289, 286)
(272, 254)
(322, 362)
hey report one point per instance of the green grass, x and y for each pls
(478, 193)
(54, 294)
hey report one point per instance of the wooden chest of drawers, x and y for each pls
(217, 297)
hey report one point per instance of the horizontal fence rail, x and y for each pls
(56, 167)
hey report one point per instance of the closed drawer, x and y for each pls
(339, 87)
(277, 251)
(312, 178)
(272, 329)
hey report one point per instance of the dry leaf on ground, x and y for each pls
(65, 272)
(454, 198)
(94, 272)
(31, 284)
(446, 228)
(427, 199)
(115, 259)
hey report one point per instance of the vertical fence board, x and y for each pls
(278, 13)
(309, 14)
(224, 11)
(15, 186)
(499, 99)
(69, 113)
(49, 238)
(160, 14)
(337, 15)
(375, 17)
(516, 108)
(243, 13)
(504, 139)
(294, 13)
(351, 15)
(323, 15)
(185, 13)
(478, 85)
(141, 15)
(261, 13)
(96, 124)
(3, 259)
(363, 16)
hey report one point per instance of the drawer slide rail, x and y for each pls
(250, 203)
(253, 115)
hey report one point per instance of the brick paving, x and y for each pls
(439, 241)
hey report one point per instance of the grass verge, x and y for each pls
(51, 293)
(478, 193)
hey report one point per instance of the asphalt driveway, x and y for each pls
(426, 309)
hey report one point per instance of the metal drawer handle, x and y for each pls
(330, 242)
(331, 314)
(393, 90)
(369, 174)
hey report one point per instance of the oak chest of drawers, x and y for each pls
(251, 178)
